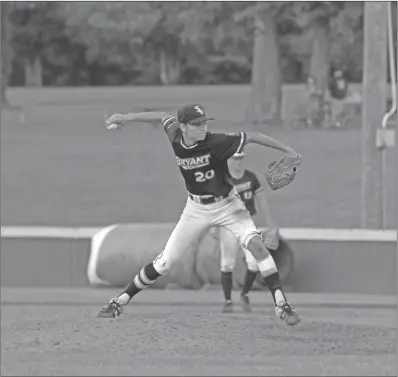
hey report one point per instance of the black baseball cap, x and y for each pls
(192, 113)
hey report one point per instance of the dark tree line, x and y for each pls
(170, 43)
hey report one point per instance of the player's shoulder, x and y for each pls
(219, 137)
(171, 126)
(169, 121)
(227, 134)
(213, 138)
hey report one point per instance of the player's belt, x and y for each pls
(207, 199)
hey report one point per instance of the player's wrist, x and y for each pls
(291, 152)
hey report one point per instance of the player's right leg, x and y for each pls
(229, 247)
(188, 230)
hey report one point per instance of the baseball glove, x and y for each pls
(270, 238)
(281, 172)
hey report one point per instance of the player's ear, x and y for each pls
(183, 127)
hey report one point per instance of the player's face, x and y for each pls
(197, 131)
(236, 164)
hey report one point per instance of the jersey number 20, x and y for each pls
(203, 177)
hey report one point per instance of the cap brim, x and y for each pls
(200, 119)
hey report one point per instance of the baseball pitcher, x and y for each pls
(202, 158)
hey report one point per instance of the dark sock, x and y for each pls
(273, 283)
(145, 278)
(226, 282)
(250, 277)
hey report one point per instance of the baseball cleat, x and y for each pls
(287, 313)
(244, 299)
(112, 309)
(228, 307)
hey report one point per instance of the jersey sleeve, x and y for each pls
(256, 184)
(172, 127)
(226, 145)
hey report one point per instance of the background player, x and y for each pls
(212, 201)
(252, 194)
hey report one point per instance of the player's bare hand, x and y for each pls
(115, 122)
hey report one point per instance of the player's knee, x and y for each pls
(227, 266)
(162, 264)
(227, 262)
(252, 265)
(251, 262)
(257, 248)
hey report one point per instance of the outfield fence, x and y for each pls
(325, 260)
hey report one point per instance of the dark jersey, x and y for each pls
(204, 164)
(247, 186)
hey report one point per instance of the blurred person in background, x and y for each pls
(338, 89)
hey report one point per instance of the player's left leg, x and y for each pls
(238, 220)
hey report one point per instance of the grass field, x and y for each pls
(60, 167)
(190, 337)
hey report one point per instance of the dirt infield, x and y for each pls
(52, 332)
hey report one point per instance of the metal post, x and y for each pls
(387, 116)
(373, 110)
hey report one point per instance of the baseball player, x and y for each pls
(249, 188)
(211, 200)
